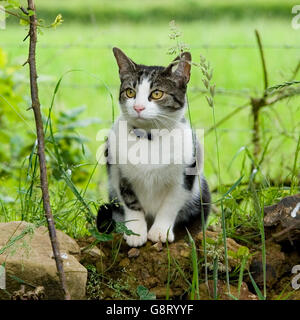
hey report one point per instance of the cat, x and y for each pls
(155, 200)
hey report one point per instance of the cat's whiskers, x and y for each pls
(163, 115)
(165, 121)
(161, 124)
(156, 123)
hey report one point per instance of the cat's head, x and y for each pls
(153, 96)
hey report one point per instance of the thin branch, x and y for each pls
(41, 147)
(23, 18)
(288, 93)
(24, 10)
(282, 86)
(262, 102)
(258, 103)
(227, 117)
(14, 14)
(25, 63)
(263, 62)
(284, 231)
(26, 37)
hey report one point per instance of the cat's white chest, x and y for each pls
(156, 150)
(155, 164)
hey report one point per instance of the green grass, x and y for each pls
(147, 11)
(88, 48)
(229, 45)
(224, 34)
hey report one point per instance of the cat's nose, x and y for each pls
(138, 108)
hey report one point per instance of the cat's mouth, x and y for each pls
(139, 117)
(140, 121)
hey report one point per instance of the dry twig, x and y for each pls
(41, 146)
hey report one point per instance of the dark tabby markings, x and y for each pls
(188, 179)
(181, 103)
(105, 222)
(108, 157)
(106, 152)
(190, 214)
(141, 133)
(128, 195)
(175, 95)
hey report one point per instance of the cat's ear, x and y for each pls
(125, 64)
(180, 68)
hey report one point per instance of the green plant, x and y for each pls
(144, 293)
(94, 288)
(70, 144)
(13, 145)
(195, 281)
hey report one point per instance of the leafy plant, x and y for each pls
(12, 143)
(144, 293)
(70, 144)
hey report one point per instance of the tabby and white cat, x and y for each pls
(156, 200)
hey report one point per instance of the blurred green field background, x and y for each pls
(222, 31)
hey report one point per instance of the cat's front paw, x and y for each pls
(160, 233)
(139, 227)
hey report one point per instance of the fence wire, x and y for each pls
(154, 47)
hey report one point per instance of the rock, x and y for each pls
(282, 230)
(283, 212)
(124, 263)
(161, 292)
(101, 266)
(185, 253)
(152, 282)
(37, 294)
(158, 246)
(282, 220)
(295, 295)
(215, 247)
(91, 255)
(108, 294)
(276, 265)
(27, 254)
(207, 291)
(133, 253)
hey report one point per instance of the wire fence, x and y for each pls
(253, 100)
(246, 92)
(243, 92)
(154, 47)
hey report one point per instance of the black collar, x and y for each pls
(141, 133)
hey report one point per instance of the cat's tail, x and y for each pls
(105, 221)
(107, 216)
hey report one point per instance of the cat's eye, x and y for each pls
(157, 94)
(130, 93)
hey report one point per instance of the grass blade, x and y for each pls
(256, 288)
(195, 282)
